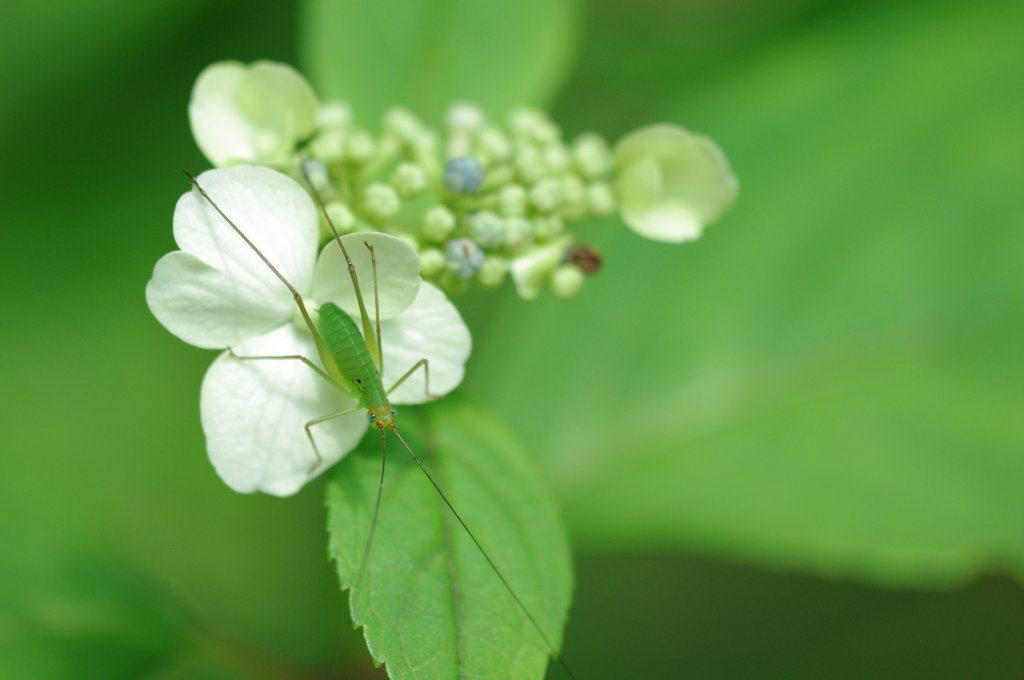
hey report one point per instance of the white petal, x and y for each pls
(251, 113)
(204, 306)
(398, 274)
(254, 412)
(273, 212)
(671, 183)
(431, 329)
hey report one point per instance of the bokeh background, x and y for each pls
(793, 449)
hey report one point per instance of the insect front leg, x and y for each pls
(322, 419)
(425, 364)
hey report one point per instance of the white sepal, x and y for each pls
(671, 183)
(431, 329)
(255, 113)
(254, 415)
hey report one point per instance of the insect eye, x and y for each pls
(394, 411)
(371, 417)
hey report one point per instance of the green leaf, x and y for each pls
(430, 605)
(831, 377)
(426, 54)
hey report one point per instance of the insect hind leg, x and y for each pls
(294, 357)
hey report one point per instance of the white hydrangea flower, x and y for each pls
(671, 183)
(215, 292)
(251, 113)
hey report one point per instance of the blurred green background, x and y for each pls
(793, 449)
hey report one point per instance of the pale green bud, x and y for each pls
(556, 159)
(360, 147)
(409, 179)
(401, 124)
(318, 176)
(601, 199)
(432, 261)
(591, 155)
(534, 267)
(546, 195)
(548, 227)
(486, 229)
(567, 281)
(529, 164)
(340, 215)
(329, 145)
(518, 232)
(512, 200)
(334, 114)
(438, 223)
(494, 146)
(463, 175)
(425, 150)
(463, 117)
(535, 126)
(574, 196)
(380, 202)
(493, 271)
(463, 258)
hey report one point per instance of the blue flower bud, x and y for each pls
(463, 175)
(464, 258)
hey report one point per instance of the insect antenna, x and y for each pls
(295, 294)
(357, 591)
(487, 557)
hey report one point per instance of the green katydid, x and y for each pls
(355, 366)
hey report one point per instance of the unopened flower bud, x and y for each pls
(463, 175)
(432, 261)
(486, 229)
(360, 147)
(592, 155)
(574, 196)
(547, 227)
(409, 179)
(402, 124)
(512, 200)
(529, 164)
(556, 159)
(333, 114)
(531, 269)
(567, 281)
(601, 199)
(546, 195)
(318, 175)
(341, 217)
(493, 271)
(329, 145)
(463, 117)
(535, 126)
(518, 232)
(494, 146)
(381, 202)
(438, 223)
(463, 257)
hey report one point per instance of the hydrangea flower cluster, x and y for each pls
(482, 202)
(216, 293)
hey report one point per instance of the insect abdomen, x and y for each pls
(347, 347)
